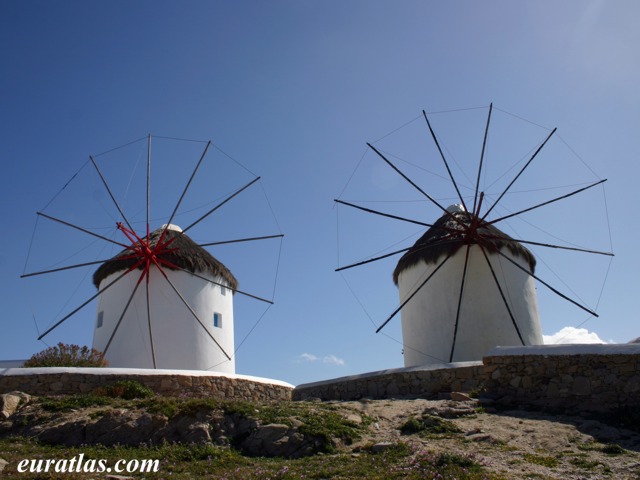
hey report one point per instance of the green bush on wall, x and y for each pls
(64, 355)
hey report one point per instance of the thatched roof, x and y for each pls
(441, 239)
(183, 252)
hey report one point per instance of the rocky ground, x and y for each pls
(517, 443)
(514, 443)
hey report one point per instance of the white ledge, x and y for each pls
(379, 373)
(573, 349)
(135, 371)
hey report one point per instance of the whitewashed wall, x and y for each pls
(428, 319)
(179, 341)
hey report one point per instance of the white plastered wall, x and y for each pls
(179, 341)
(428, 319)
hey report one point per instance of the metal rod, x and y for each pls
(548, 245)
(413, 294)
(148, 185)
(376, 212)
(62, 268)
(546, 203)
(124, 311)
(455, 327)
(81, 229)
(548, 286)
(104, 182)
(235, 290)
(81, 306)
(484, 144)
(153, 353)
(407, 178)
(446, 164)
(519, 173)
(504, 299)
(249, 239)
(346, 267)
(188, 184)
(195, 315)
(221, 204)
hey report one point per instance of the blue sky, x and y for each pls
(293, 91)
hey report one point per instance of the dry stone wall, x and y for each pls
(573, 378)
(412, 382)
(579, 379)
(69, 381)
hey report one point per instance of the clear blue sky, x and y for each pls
(293, 90)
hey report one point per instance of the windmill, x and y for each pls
(164, 300)
(465, 285)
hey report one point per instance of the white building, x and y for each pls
(429, 319)
(194, 332)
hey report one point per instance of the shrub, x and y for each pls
(127, 389)
(64, 355)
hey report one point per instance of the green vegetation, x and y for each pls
(543, 460)
(184, 462)
(429, 425)
(64, 355)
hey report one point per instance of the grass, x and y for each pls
(545, 461)
(183, 462)
(429, 425)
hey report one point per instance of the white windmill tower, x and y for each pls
(164, 301)
(197, 337)
(465, 286)
(495, 267)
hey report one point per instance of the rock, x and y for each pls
(460, 397)
(381, 447)
(3, 463)
(9, 402)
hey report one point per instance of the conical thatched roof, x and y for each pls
(182, 252)
(441, 239)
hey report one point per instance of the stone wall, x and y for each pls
(578, 378)
(68, 381)
(589, 378)
(423, 382)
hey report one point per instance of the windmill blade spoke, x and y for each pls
(153, 353)
(124, 311)
(60, 269)
(519, 173)
(548, 245)
(82, 306)
(235, 290)
(81, 229)
(546, 203)
(455, 327)
(195, 315)
(237, 192)
(484, 144)
(239, 240)
(548, 286)
(106, 185)
(376, 212)
(407, 300)
(388, 162)
(375, 259)
(184, 192)
(504, 299)
(446, 164)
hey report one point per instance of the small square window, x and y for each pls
(100, 319)
(223, 290)
(217, 320)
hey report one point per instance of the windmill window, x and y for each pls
(223, 290)
(100, 318)
(217, 319)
